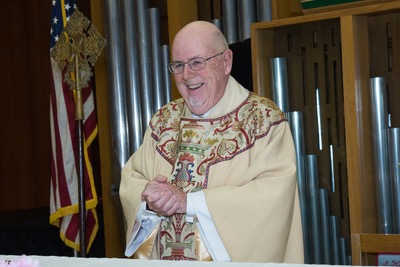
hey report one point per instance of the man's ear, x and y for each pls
(228, 60)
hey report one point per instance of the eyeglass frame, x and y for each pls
(170, 68)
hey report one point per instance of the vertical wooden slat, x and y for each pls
(180, 13)
(204, 10)
(356, 249)
(281, 9)
(217, 9)
(361, 185)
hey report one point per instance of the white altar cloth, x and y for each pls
(53, 261)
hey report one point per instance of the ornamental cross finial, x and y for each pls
(78, 48)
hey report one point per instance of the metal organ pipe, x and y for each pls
(379, 121)
(246, 16)
(325, 229)
(296, 123)
(158, 88)
(145, 68)
(264, 10)
(116, 85)
(131, 76)
(230, 22)
(334, 232)
(313, 208)
(166, 73)
(280, 89)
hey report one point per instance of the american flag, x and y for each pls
(64, 209)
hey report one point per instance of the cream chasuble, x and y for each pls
(242, 157)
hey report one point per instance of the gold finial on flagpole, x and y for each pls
(78, 48)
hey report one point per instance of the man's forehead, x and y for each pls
(192, 48)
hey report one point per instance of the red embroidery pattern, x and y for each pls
(223, 137)
(178, 239)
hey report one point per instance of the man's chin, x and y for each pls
(197, 107)
(197, 110)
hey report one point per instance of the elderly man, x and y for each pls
(215, 177)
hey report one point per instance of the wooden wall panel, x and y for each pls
(24, 108)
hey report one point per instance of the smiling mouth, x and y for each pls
(194, 86)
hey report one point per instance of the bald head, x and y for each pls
(201, 33)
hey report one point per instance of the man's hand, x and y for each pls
(164, 198)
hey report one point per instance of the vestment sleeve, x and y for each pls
(145, 222)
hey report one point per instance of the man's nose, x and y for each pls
(187, 72)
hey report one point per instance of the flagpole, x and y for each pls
(77, 50)
(79, 116)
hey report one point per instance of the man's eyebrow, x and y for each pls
(181, 61)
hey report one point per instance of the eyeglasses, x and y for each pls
(196, 63)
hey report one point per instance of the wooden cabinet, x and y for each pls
(338, 52)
